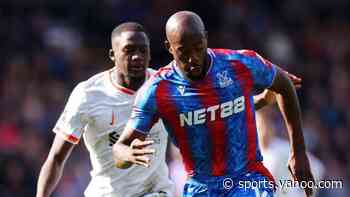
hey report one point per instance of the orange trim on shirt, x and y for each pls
(121, 88)
(118, 87)
(69, 138)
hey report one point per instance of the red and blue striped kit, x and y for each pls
(212, 120)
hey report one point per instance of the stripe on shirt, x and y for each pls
(245, 79)
(217, 129)
(168, 111)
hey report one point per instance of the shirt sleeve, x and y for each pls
(74, 117)
(262, 71)
(144, 112)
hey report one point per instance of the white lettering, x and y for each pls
(199, 116)
(212, 110)
(187, 119)
(239, 104)
(226, 109)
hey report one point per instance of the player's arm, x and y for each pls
(131, 148)
(68, 129)
(268, 97)
(266, 75)
(52, 168)
(289, 106)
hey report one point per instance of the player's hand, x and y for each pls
(295, 80)
(299, 168)
(139, 152)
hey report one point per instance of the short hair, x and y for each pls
(127, 26)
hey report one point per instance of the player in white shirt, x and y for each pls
(98, 110)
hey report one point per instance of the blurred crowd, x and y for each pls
(47, 47)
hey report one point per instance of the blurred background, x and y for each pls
(47, 47)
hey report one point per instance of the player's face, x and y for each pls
(131, 53)
(190, 52)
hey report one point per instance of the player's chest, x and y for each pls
(111, 114)
(188, 97)
(219, 98)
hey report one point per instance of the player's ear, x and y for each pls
(167, 46)
(111, 55)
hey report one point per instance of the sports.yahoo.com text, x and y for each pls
(284, 184)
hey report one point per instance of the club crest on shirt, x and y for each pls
(181, 89)
(224, 79)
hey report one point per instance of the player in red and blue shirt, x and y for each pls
(211, 120)
(205, 99)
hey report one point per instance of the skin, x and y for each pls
(187, 42)
(131, 55)
(268, 97)
(52, 169)
(188, 47)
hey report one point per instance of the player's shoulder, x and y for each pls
(163, 73)
(97, 79)
(157, 77)
(246, 56)
(231, 54)
(94, 81)
(151, 71)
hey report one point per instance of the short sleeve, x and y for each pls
(262, 71)
(74, 117)
(144, 112)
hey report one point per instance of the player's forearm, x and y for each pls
(50, 174)
(293, 122)
(289, 106)
(120, 151)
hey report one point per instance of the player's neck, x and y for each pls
(207, 63)
(133, 83)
